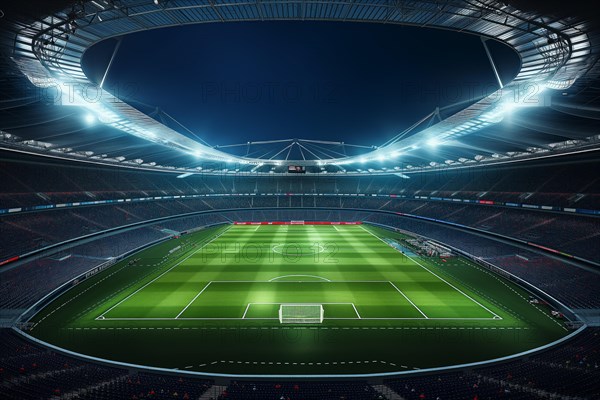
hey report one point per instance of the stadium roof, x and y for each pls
(555, 112)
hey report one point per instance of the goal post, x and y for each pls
(301, 313)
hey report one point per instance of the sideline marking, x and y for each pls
(194, 299)
(178, 317)
(496, 316)
(331, 318)
(409, 300)
(164, 273)
(246, 311)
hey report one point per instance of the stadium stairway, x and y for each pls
(387, 392)
(213, 392)
(81, 392)
(39, 376)
(528, 391)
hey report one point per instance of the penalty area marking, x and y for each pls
(246, 311)
(194, 299)
(179, 318)
(254, 319)
(356, 311)
(496, 316)
(409, 300)
(290, 276)
(102, 316)
(304, 304)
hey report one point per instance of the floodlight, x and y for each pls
(509, 106)
(433, 142)
(90, 119)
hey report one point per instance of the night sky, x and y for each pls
(358, 83)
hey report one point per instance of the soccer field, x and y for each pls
(247, 272)
(212, 301)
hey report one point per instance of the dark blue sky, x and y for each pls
(358, 83)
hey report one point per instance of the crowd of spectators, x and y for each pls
(32, 372)
(554, 276)
(30, 181)
(27, 181)
(29, 371)
(352, 390)
(139, 386)
(573, 286)
(39, 276)
(571, 234)
(22, 286)
(569, 371)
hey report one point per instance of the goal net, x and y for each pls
(301, 313)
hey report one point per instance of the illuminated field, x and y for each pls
(210, 301)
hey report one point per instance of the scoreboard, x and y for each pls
(296, 169)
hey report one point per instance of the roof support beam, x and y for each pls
(487, 51)
(112, 57)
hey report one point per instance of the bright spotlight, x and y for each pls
(509, 106)
(363, 160)
(197, 154)
(89, 119)
(433, 142)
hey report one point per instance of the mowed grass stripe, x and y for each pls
(348, 253)
(436, 296)
(372, 299)
(153, 299)
(417, 342)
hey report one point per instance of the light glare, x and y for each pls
(90, 119)
(433, 142)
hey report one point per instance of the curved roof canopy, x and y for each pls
(555, 53)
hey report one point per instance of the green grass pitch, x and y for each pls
(210, 302)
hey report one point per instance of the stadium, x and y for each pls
(298, 199)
